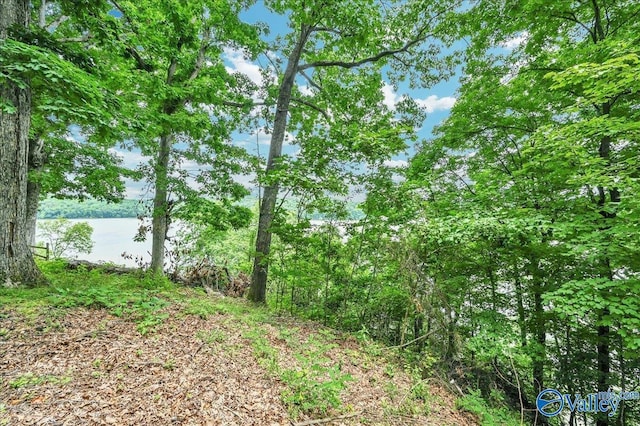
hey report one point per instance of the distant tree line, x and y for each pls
(52, 208)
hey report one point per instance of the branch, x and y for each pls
(310, 80)
(417, 339)
(572, 17)
(243, 104)
(172, 70)
(124, 14)
(469, 188)
(42, 14)
(200, 61)
(55, 24)
(141, 63)
(314, 107)
(389, 52)
(363, 61)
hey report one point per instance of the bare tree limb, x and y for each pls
(310, 80)
(314, 107)
(389, 52)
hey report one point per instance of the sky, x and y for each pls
(437, 102)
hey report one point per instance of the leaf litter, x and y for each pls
(89, 367)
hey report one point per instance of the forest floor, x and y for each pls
(79, 353)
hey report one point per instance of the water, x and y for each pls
(111, 238)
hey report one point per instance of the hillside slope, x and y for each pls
(119, 353)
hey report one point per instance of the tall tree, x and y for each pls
(325, 36)
(70, 148)
(16, 260)
(185, 95)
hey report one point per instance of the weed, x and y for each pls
(266, 355)
(169, 364)
(314, 389)
(315, 386)
(4, 419)
(290, 336)
(489, 415)
(212, 336)
(205, 308)
(30, 379)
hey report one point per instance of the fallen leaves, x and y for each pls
(191, 371)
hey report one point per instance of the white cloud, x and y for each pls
(391, 98)
(242, 65)
(264, 138)
(305, 90)
(430, 104)
(434, 103)
(130, 159)
(396, 164)
(515, 42)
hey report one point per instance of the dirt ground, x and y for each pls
(88, 367)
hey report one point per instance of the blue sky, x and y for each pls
(436, 100)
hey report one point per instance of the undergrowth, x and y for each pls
(487, 414)
(313, 382)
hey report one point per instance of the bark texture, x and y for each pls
(258, 289)
(160, 221)
(36, 163)
(16, 260)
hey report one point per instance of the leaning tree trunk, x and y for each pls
(16, 260)
(258, 289)
(160, 212)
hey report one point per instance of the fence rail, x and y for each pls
(37, 251)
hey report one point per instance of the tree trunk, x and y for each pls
(16, 260)
(36, 162)
(258, 289)
(160, 219)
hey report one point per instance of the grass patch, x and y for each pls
(313, 387)
(30, 379)
(212, 337)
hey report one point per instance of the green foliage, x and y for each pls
(314, 386)
(30, 379)
(54, 208)
(489, 415)
(65, 238)
(313, 389)
(71, 91)
(145, 308)
(212, 336)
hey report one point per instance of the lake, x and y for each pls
(111, 238)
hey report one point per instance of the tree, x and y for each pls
(65, 238)
(547, 159)
(16, 259)
(349, 46)
(69, 148)
(188, 101)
